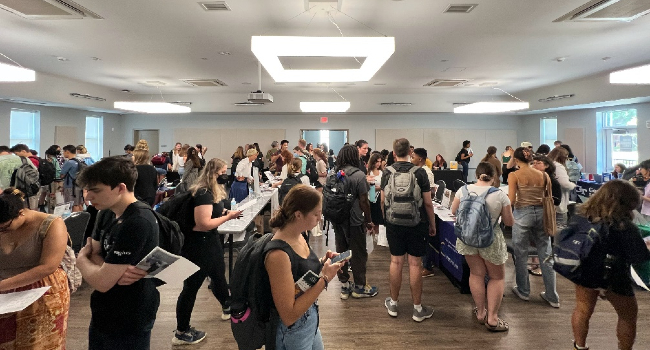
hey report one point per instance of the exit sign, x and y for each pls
(324, 120)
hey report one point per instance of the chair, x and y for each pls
(441, 190)
(458, 184)
(76, 224)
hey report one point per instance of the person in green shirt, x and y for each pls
(8, 164)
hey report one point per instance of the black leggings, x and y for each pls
(205, 250)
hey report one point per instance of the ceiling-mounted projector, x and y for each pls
(260, 97)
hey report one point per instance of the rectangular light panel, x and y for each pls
(324, 107)
(268, 49)
(638, 75)
(491, 107)
(11, 73)
(151, 107)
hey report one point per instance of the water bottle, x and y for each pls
(250, 192)
(66, 214)
(372, 194)
(233, 204)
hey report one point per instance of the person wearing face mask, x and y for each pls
(464, 157)
(202, 246)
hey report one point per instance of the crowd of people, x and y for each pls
(123, 188)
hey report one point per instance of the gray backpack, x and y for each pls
(403, 198)
(473, 224)
(573, 170)
(26, 179)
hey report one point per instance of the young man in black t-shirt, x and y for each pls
(123, 304)
(403, 240)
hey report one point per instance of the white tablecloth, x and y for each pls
(237, 227)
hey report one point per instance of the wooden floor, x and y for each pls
(364, 324)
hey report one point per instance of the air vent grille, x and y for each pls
(460, 8)
(86, 96)
(47, 9)
(215, 6)
(204, 82)
(446, 82)
(401, 104)
(608, 10)
(555, 98)
(247, 103)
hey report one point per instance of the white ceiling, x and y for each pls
(511, 42)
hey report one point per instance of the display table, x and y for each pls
(448, 176)
(585, 189)
(444, 254)
(236, 229)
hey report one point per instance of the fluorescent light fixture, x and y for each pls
(151, 107)
(324, 107)
(491, 107)
(12, 73)
(268, 49)
(638, 75)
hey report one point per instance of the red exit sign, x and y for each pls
(324, 120)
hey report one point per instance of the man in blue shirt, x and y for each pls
(72, 192)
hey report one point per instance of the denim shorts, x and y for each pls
(302, 335)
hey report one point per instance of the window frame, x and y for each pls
(35, 141)
(96, 144)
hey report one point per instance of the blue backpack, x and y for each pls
(573, 246)
(473, 222)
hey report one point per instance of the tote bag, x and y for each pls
(549, 210)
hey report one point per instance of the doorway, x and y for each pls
(332, 139)
(152, 139)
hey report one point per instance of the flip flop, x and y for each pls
(535, 271)
(475, 314)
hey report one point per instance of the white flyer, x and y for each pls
(18, 301)
(170, 268)
(246, 205)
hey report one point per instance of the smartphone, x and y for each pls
(343, 257)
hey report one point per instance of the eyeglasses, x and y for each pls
(6, 227)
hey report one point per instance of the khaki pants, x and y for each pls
(55, 187)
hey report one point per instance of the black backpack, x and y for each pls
(337, 199)
(170, 237)
(251, 298)
(287, 185)
(179, 209)
(25, 178)
(46, 171)
(312, 173)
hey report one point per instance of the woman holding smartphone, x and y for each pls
(298, 316)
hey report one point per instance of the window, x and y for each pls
(617, 139)
(95, 136)
(548, 131)
(25, 127)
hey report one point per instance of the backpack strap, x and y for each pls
(45, 226)
(278, 244)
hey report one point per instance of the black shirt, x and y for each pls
(205, 197)
(420, 176)
(126, 241)
(146, 184)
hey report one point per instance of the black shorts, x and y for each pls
(407, 240)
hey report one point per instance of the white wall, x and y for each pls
(360, 126)
(586, 118)
(57, 116)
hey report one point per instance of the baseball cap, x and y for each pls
(526, 144)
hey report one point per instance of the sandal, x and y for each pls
(475, 313)
(501, 326)
(536, 271)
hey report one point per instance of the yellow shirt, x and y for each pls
(429, 163)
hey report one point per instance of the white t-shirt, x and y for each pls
(495, 201)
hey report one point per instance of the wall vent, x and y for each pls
(460, 8)
(248, 103)
(215, 6)
(47, 9)
(181, 103)
(446, 82)
(86, 96)
(401, 104)
(204, 82)
(608, 10)
(555, 98)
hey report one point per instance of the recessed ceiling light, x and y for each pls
(560, 59)
(225, 53)
(491, 107)
(637, 75)
(62, 59)
(606, 58)
(268, 49)
(324, 107)
(95, 58)
(125, 90)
